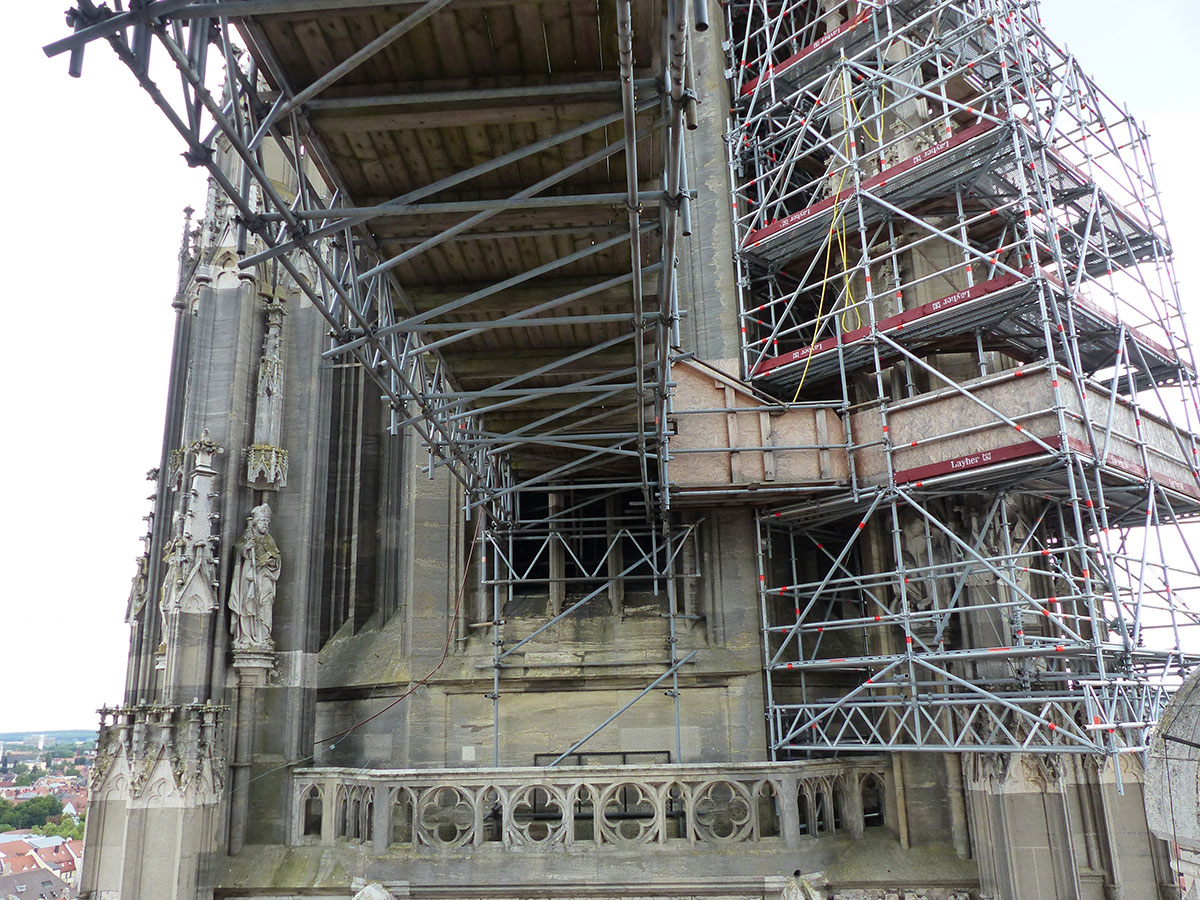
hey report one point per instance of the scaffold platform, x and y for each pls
(921, 175)
(1004, 311)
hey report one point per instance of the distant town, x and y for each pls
(43, 810)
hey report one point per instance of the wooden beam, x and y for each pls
(458, 116)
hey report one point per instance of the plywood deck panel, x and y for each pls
(944, 432)
(556, 21)
(319, 56)
(477, 45)
(727, 437)
(532, 37)
(419, 49)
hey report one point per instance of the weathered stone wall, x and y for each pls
(1062, 828)
(592, 663)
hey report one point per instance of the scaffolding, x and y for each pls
(967, 408)
(512, 297)
(948, 232)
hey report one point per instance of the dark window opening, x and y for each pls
(402, 820)
(574, 540)
(627, 806)
(821, 820)
(806, 813)
(768, 812)
(341, 822)
(872, 802)
(312, 813)
(493, 819)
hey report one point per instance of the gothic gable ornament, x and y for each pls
(189, 584)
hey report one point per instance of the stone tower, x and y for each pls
(643, 449)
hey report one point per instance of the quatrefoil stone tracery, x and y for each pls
(447, 816)
(723, 811)
(629, 813)
(538, 814)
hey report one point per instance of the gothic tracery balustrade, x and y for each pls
(610, 807)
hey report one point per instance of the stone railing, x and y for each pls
(612, 807)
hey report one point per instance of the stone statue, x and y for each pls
(252, 593)
(373, 891)
(800, 887)
(138, 590)
(173, 571)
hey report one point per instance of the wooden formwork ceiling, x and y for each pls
(474, 81)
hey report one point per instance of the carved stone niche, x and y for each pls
(266, 460)
(266, 466)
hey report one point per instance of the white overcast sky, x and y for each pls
(96, 185)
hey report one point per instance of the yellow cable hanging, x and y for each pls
(821, 302)
(828, 252)
(842, 245)
(847, 282)
(878, 136)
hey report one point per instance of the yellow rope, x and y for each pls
(821, 302)
(847, 282)
(828, 253)
(878, 136)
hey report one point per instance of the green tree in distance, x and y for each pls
(65, 827)
(29, 814)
